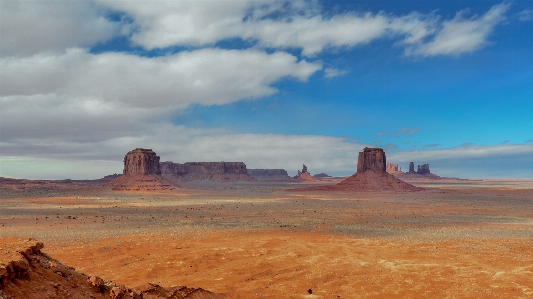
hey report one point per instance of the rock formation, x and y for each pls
(372, 159)
(422, 173)
(141, 161)
(304, 175)
(141, 173)
(32, 274)
(411, 167)
(268, 174)
(393, 168)
(321, 175)
(423, 169)
(371, 175)
(205, 171)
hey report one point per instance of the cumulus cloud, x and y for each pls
(301, 25)
(77, 92)
(333, 72)
(182, 144)
(462, 35)
(30, 27)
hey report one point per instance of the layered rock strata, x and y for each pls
(32, 274)
(205, 171)
(141, 173)
(268, 174)
(141, 161)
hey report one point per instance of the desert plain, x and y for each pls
(453, 239)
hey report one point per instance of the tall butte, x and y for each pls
(141, 173)
(372, 175)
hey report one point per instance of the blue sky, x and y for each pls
(274, 84)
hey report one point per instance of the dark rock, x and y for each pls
(423, 169)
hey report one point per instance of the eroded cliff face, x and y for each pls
(372, 159)
(269, 174)
(213, 171)
(141, 161)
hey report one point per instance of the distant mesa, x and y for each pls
(321, 175)
(422, 173)
(205, 171)
(393, 168)
(141, 173)
(304, 175)
(371, 175)
(268, 174)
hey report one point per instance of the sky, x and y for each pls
(274, 84)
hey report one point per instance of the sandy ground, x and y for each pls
(456, 239)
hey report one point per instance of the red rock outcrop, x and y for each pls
(141, 173)
(304, 175)
(370, 176)
(34, 275)
(372, 159)
(141, 161)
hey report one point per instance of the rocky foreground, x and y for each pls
(28, 273)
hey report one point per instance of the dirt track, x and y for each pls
(460, 240)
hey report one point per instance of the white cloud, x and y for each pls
(525, 15)
(178, 144)
(506, 160)
(80, 94)
(333, 72)
(298, 24)
(30, 27)
(461, 35)
(208, 76)
(301, 25)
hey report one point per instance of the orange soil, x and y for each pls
(278, 264)
(466, 240)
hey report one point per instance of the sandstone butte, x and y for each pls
(141, 173)
(371, 175)
(304, 175)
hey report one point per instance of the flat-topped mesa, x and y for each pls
(268, 174)
(205, 171)
(141, 161)
(372, 159)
